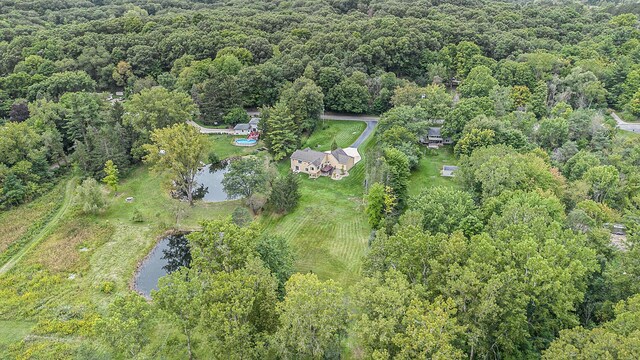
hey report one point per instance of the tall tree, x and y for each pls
(177, 150)
(156, 108)
(313, 318)
(398, 175)
(478, 83)
(127, 326)
(280, 131)
(246, 177)
(179, 295)
(285, 194)
(305, 102)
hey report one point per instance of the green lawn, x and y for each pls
(66, 270)
(428, 172)
(222, 146)
(12, 331)
(328, 230)
(220, 126)
(344, 132)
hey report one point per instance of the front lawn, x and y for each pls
(344, 132)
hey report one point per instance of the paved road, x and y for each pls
(204, 130)
(371, 126)
(625, 125)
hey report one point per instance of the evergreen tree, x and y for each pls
(285, 193)
(281, 133)
(111, 178)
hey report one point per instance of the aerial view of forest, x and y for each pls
(319, 179)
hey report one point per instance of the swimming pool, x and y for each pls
(245, 142)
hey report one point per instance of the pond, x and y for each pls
(211, 179)
(167, 256)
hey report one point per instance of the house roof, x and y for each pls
(341, 156)
(434, 131)
(242, 127)
(254, 121)
(308, 155)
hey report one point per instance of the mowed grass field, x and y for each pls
(328, 230)
(344, 133)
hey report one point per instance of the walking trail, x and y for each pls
(37, 238)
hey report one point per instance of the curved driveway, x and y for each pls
(633, 127)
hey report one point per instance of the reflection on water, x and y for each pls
(167, 256)
(210, 177)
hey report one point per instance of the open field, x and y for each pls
(428, 172)
(65, 273)
(18, 225)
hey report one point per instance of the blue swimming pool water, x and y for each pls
(245, 141)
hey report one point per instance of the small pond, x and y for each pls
(211, 179)
(167, 256)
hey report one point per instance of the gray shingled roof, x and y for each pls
(434, 131)
(242, 127)
(254, 121)
(308, 155)
(341, 156)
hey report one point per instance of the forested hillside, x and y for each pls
(528, 251)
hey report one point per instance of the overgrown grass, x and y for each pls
(428, 172)
(18, 225)
(10, 332)
(65, 271)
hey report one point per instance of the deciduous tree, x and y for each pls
(177, 150)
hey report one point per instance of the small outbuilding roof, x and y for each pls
(448, 170)
(242, 127)
(434, 131)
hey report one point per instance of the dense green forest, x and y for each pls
(522, 256)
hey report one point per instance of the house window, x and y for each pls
(312, 168)
(299, 162)
(297, 168)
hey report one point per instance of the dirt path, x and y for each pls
(37, 238)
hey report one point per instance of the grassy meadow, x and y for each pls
(76, 264)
